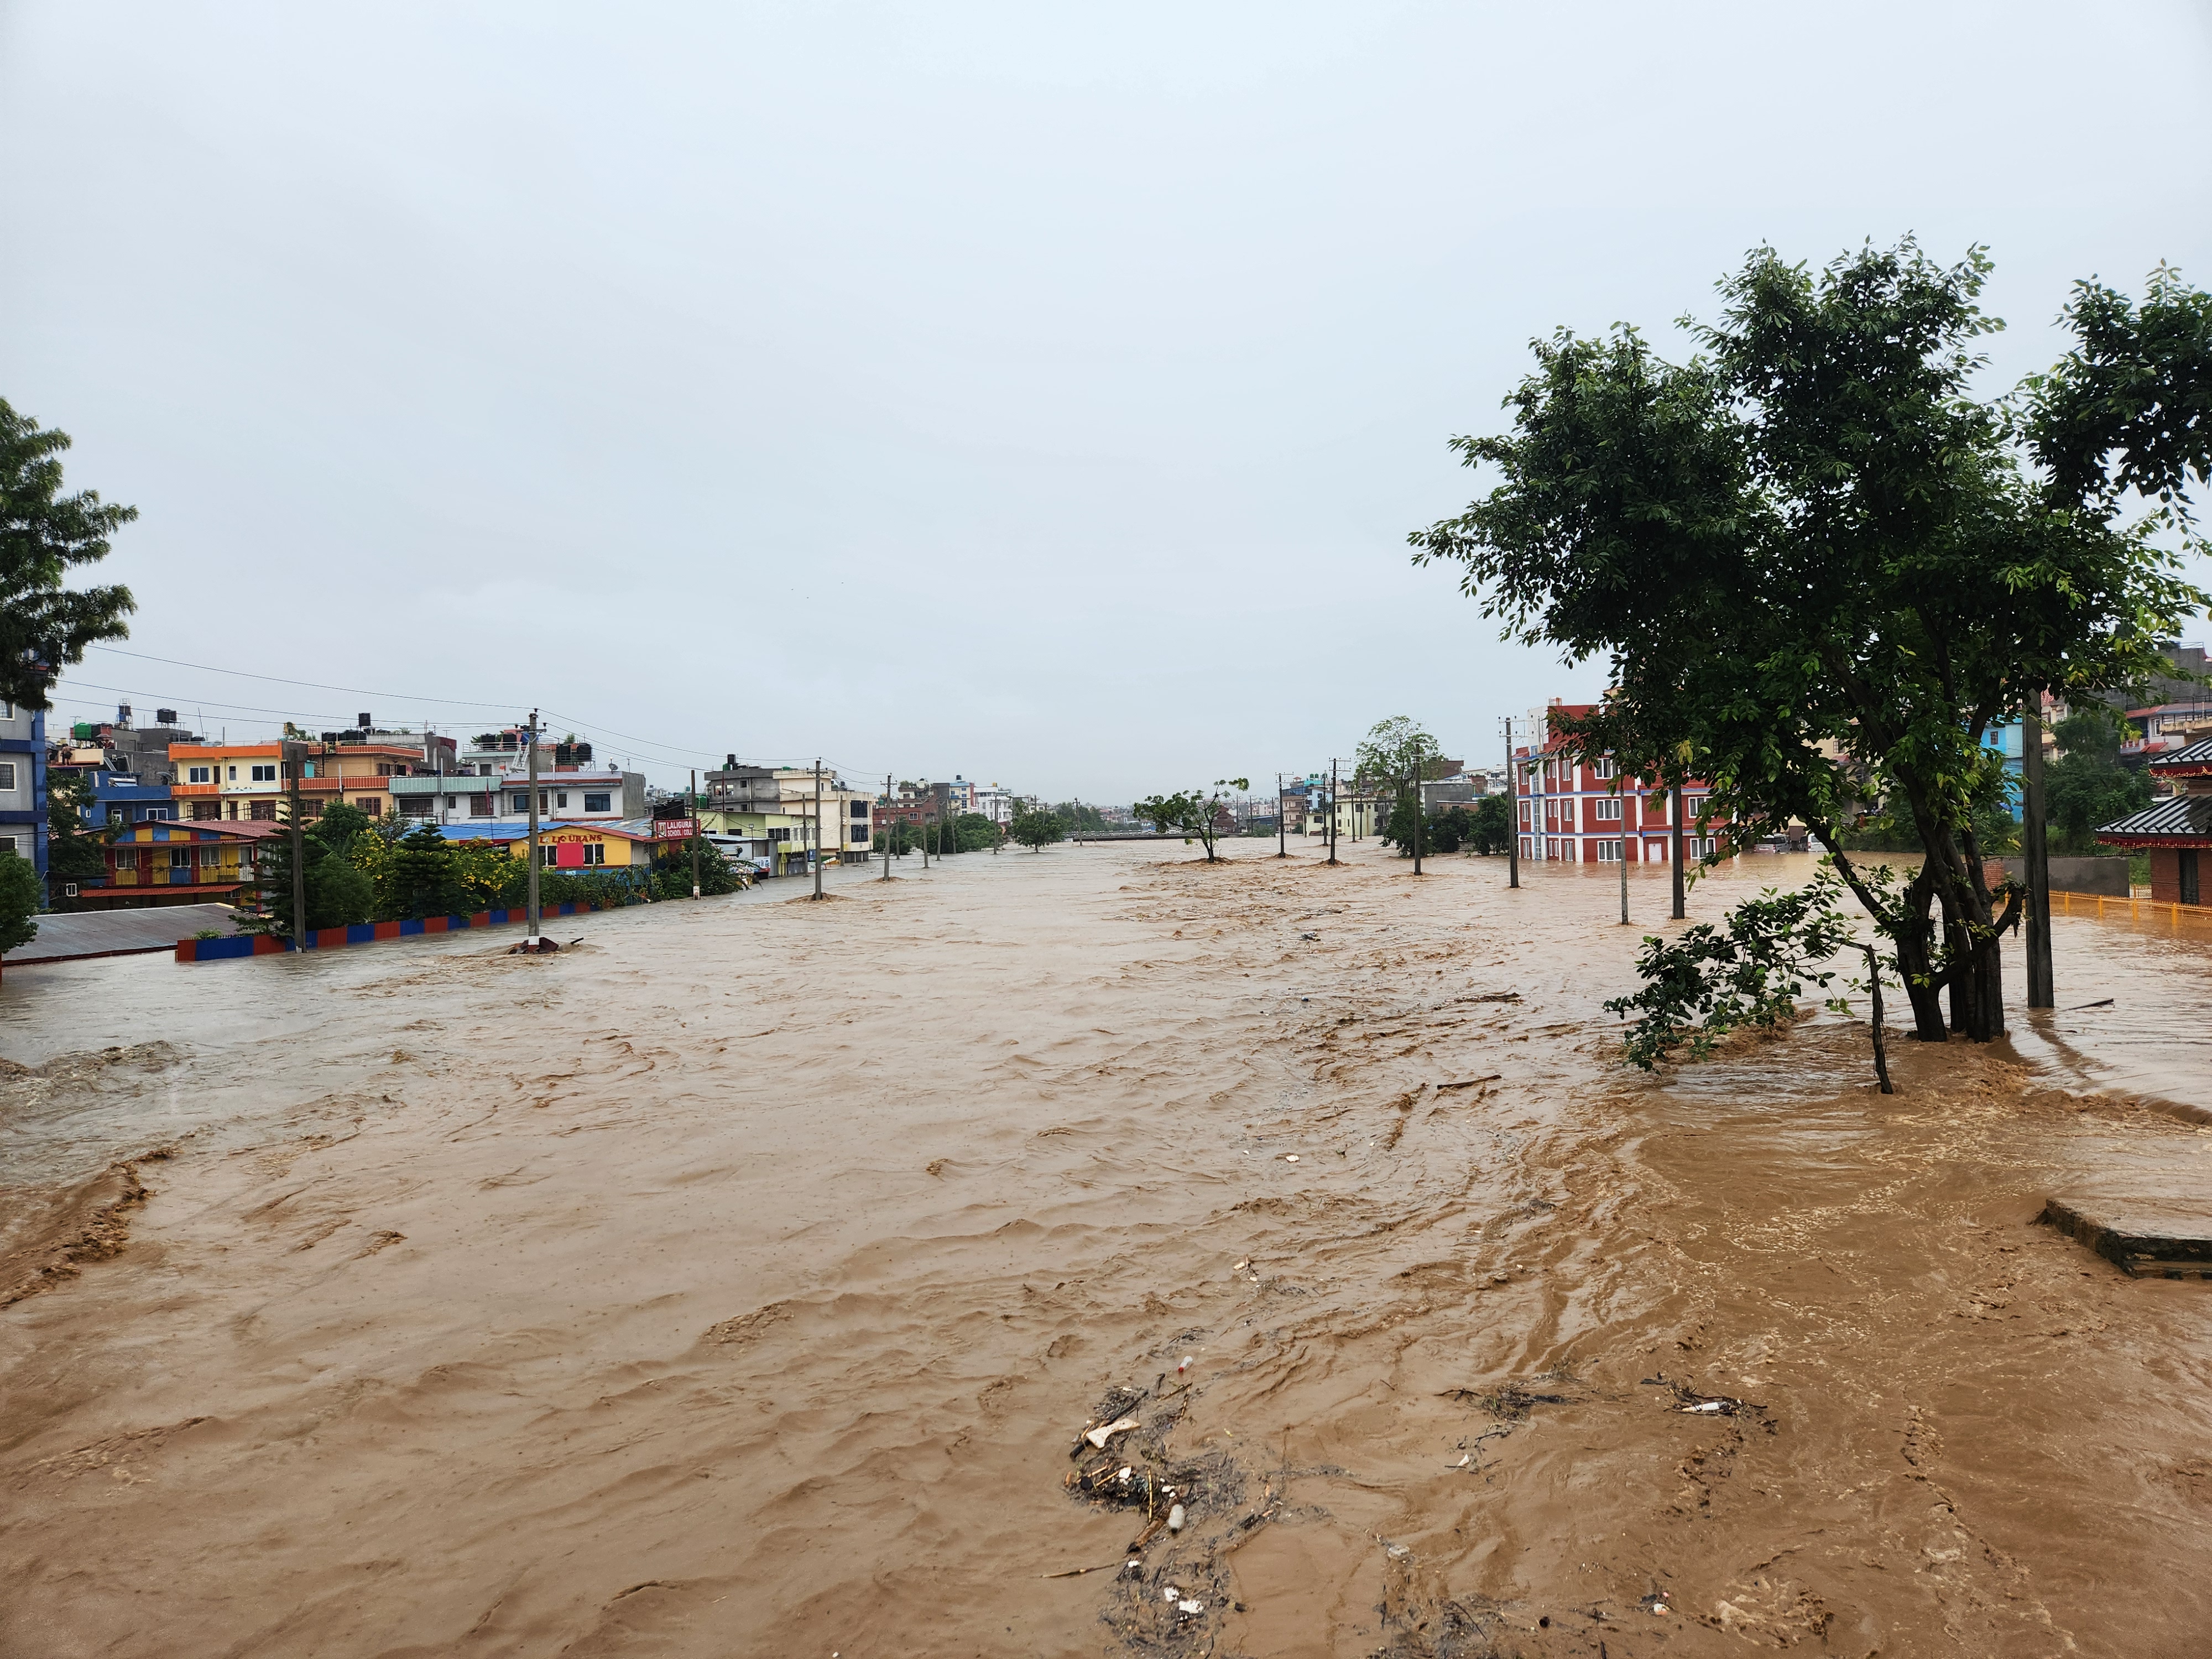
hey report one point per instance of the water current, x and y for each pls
(740, 1281)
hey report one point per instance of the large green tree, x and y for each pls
(1822, 572)
(1037, 830)
(1195, 814)
(2087, 786)
(44, 626)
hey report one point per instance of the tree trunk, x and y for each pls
(1916, 963)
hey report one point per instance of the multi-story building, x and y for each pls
(23, 785)
(488, 781)
(244, 781)
(118, 799)
(809, 809)
(152, 864)
(1579, 809)
(996, 805)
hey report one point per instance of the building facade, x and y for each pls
(244, 782)
(152, 863)
(2176, 831)
(23, 785)
(1579, 809)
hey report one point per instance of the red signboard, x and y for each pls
(686, 828)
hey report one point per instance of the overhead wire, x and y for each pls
(670, 754)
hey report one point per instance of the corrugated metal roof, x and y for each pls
(2183, 818)
(2197, 754)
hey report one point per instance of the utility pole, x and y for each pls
(295, 757)
(1513, 811)
(1621, 856)
(1282, 825)
(887, 828)
(817, 826)
(925, 848)
(1332, 809)
(2035, 845)
(1416, 808)
(694, 832)
(1675, 861)
(531, 765)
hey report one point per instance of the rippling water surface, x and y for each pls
(740, 1281)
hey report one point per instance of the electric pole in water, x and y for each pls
(1282, 824)
(1620, 854)
(887, 829)
(1513, 811)
(531, 765)
(1674, 863)
(694, 832)
(295, 757)
(2035, 846)
(817, 826)
(1332, 809)
(1418, 763)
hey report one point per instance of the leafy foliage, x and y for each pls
(19, 901)
(1192, 813)
(45, 627)
(1490, 829)
(1038, 830)
(2087, 787)
(1819, 572)
(2131, 406)
(1749, 971)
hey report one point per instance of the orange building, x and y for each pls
(231, 782)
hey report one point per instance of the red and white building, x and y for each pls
(1583, 812)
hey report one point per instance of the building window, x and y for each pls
(263, 808)
(1607, 809)
(234, 774)
(483, 806)
(598, 803)
(859, 809)
(203, 810)
(126, 858)
(181, 858)
(199, 775)
(595, 853)
(264, 773)
(210, 856)
(6, 774)
(1605, 768)
(415, 806)
(522, 801)
(561, 800)
(451, 800)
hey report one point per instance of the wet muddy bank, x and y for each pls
(742, 1280)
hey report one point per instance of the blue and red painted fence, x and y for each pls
(363, 932)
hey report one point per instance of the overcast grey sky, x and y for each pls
(1001, 391)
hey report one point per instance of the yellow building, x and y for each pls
(179, 863)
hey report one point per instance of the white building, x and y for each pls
(491, 784)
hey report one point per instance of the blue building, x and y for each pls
(119, 800)
(23, 785)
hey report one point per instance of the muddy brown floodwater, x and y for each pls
(740, 1282)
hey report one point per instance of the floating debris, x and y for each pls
(1105, 1432)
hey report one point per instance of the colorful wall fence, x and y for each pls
(364, 932)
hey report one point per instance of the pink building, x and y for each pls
(1584, 812)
